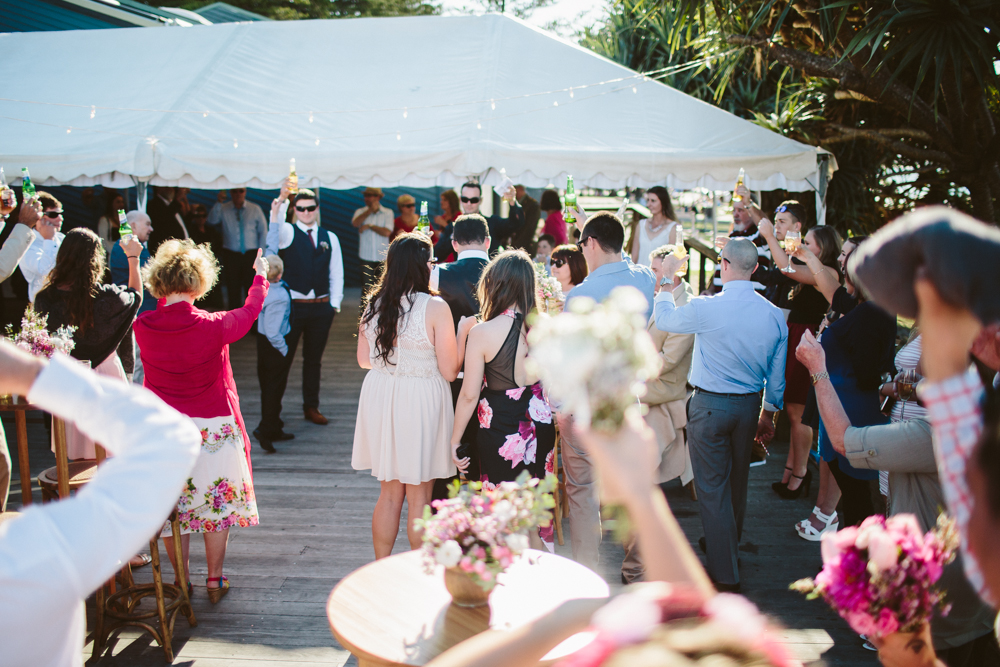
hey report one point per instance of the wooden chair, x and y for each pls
(65, 477)
(123, 608)
(562, 508)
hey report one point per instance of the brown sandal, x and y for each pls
(215, 594)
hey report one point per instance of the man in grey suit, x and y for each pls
(739, 350)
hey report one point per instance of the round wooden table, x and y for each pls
(391, 612)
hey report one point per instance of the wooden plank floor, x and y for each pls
(315, 514)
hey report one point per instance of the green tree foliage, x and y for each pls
(290, 10)
(903, 92)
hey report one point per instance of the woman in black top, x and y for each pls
(102, 314)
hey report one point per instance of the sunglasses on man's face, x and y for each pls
(558, 263)
(53, 214)
(304, 209)
(407, 206)
(470, 200)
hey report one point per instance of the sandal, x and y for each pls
(190, 587)
(807, 531)
(140, 560)
(215, 594)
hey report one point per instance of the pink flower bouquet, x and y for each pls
(35, 338)
(481, 531)
(880, 576)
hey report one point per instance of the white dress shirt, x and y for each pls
(53, 556)
(280, 235)
(372, 246)
(39, 260)
(465, 254)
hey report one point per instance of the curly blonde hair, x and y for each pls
(181, 267)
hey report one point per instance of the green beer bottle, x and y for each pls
(423, 223)
(570, 215)
(124, 229)
(27, 187)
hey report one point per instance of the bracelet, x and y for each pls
(817, 377)
(816, 273)
(132, 256)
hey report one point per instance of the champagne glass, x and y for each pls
(792, 241)
(904, 387)
(680, 252)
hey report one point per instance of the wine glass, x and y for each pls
(904, 387)
(792, 241)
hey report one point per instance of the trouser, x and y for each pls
(855, 496)
(272, 373)
(237, 267)
(311, 322)
(581, 496)
(5, 470)
(721, 430)
(474, 473)
(138, 374)
(370, 273)
(980, 652)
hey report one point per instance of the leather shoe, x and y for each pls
(726, 588)
(265, 443)
(314, 415)
(283, 436)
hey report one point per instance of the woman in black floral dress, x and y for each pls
(516, 430)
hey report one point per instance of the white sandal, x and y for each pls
(807, 531)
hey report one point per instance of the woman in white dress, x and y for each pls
(405, 414)
(659, 230)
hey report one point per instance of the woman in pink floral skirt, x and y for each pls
(516, 431)
(185, 354)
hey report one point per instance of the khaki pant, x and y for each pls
(581, 494)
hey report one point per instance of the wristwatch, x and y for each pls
(816, 377)
(666, 280)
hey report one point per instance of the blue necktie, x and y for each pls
(239, 222)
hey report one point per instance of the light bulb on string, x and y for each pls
(404, 112)
(555, 103)
(236, 143)
(399, 136)
(310, 116)
(68, 130)
(571, 92)
(317, 141)
(204, 114)
(493, 104)
(93, 111)
(479, 125)
(634, 90)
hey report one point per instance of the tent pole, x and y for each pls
(141, 194)
(823, 169)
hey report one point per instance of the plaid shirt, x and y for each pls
(955, 408)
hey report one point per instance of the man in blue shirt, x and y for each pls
(118, 264)
(740, 346)
(601, 241)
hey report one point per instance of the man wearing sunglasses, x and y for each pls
(41, 254)
(314, 273)
(244, 231)
(501, 229)
(374, 223)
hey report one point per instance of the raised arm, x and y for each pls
(669, 317)
(825, 278)
(236, 323)
(336, 273)
(20, 238)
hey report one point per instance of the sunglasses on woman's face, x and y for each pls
(53, 214)
(470, 200)
(304, 209)
(407, 206)
(558, 263)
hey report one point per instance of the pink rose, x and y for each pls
(513, 449)
(883, 552)
(549, 462)
(515, 393)
(539, 410)
(485, 414)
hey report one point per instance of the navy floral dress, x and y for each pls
(516, 430)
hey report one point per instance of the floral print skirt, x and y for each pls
(516, 432)
(219, 493)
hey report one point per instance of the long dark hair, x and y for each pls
(406, 273)
(661, 193)
(80, 267)
(571, 253)
(507, 281)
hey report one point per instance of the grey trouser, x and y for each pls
(581, 494)
(721, 430)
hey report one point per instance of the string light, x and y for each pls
(571, 92)
(204, 115)
(310, 116)
(317, 141)
(404, 112)
(399, 136)
(493, 105)
(68, 130)
(93, 111)
(634, 89)
(479, 125)
(555, 103)
(236, 143)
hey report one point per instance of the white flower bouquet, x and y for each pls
(595, 359)
(34, 336)
(548, 294)
(481, 531)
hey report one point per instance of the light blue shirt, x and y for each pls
(275, 316)
(740, 340)
(242, 228)
(603, 279)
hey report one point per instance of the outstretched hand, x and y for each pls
(260, 264)
(948, 332)
(31, 212)
(131, 246)
(626, 461)
(18, 369)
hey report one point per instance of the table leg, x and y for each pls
(62, 457)
(21, 424)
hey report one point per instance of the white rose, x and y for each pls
(517, 542)
(504, 511)
(448, 554)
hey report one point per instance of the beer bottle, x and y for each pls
(423, 222)
(570, 215)
(124, 229)
(293, 178)
(27, 187)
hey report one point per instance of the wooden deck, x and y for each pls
(315, 513)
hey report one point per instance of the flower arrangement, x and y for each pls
(660, 623)
(481, 531)
(548, 291)
(595, 359)
(879, 576)
(35, 338)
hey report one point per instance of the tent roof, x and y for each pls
(415, 101)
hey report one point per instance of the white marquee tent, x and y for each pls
(417, 101)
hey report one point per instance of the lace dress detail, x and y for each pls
(414, 355)
(405, 414)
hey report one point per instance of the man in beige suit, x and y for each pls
(10, 254)
(665, 399)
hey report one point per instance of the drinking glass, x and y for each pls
(904, 387)
(792, 241)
